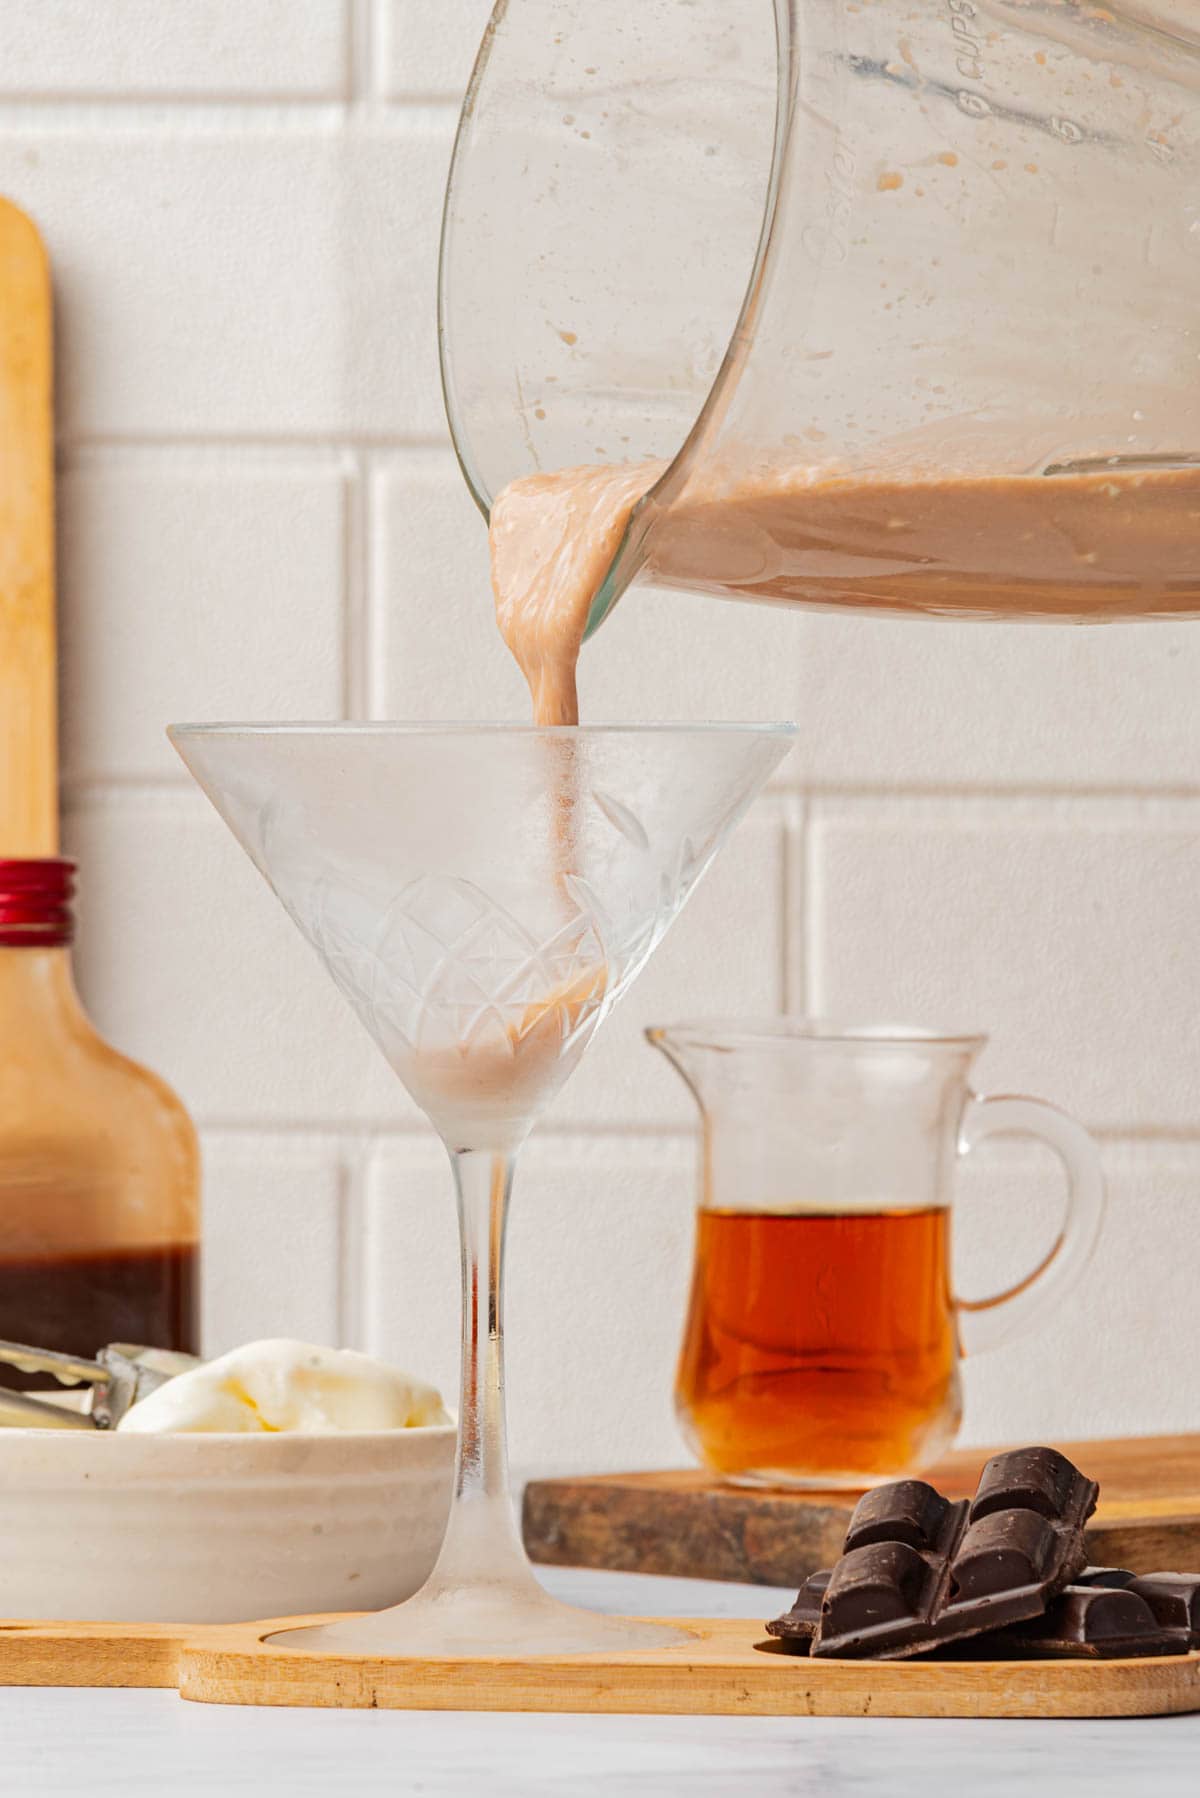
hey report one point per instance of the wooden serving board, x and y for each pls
(690, 1523)
(719, 1668)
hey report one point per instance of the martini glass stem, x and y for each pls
(482, 1546)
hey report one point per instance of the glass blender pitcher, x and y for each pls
(895, 299)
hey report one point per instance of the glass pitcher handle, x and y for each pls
(986, 1323)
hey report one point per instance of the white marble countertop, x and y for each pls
(55, 1742)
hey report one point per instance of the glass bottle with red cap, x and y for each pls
(99, 1164)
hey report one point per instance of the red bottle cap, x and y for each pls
(35, 904)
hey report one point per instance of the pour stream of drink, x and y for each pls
(1085, 544)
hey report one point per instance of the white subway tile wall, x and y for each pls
(419, 55)
(274, 1210)
(184, 577)
(133, 49)
(261, 516)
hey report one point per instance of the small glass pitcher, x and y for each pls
(823, 1336)
(895, 299)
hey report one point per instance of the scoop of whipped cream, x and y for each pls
(284, 1385)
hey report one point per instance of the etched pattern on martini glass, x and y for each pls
(482, 896)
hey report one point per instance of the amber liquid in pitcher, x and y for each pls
(819, 1344)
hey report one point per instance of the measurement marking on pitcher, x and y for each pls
(969, 60)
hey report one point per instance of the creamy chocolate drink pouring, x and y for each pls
(887, 307)
(1087, 545)
(552, 537)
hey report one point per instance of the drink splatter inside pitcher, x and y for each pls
(1098, 543)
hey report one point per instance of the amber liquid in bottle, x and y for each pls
(99, 1164)
(819, 1343)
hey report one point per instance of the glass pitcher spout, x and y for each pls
(893, 303)
(687, 1054)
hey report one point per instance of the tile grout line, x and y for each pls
(359, 49)
(343, 1133)
(782, 898)
(208, 446)
(372, 624)
(346, 1136)
(352, 1245)
(904, 792)
(813, 1001)
(69, 111)
(357, 673)
(76, 790)
(1039, 806)
(66, 114)
(795, 899)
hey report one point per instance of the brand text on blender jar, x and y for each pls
(963, 14)
(826, 239)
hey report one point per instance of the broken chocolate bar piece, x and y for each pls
(920, 1571)
(1115, 1577)
(908, 1511)
(1026, 1479)
(893, 1578)
(797, 1627)
(1174, 1598)
(1089, 1623)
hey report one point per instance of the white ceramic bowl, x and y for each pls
(218, 1528)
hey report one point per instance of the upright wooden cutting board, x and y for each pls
(689, 1523)
(28, 761)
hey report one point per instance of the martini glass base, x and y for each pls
(480, 1621)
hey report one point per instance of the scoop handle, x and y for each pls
(19, 1411)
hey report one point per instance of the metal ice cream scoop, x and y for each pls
(119, 1376)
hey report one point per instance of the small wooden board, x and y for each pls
(690, 1523)
(719, 1668)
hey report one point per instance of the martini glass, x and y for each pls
(482, 895)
